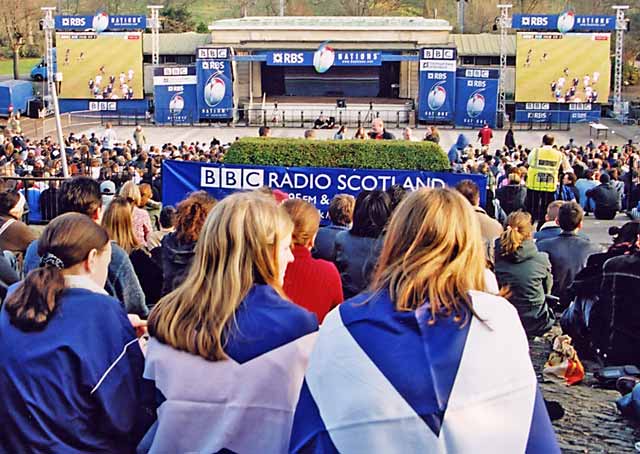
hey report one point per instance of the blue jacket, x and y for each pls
(75, 386)
(122, 281)
(456, 149)
(325, 244)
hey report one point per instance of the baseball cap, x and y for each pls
(108, 188)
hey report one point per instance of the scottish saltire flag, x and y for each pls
(244, 404)
(381, 381)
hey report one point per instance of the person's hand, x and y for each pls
(138, 324)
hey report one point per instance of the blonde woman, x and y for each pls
(228, 350)
(526, 273)
(425, 361)
(141, 220)
(117, 221)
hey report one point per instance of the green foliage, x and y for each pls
(202, 28)
(362, 154)
(630, 74)
(177, 19)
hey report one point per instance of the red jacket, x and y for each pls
(485, 135)
(313, 283)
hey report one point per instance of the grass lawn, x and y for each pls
(25, 66)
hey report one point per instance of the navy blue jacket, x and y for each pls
(325, 245)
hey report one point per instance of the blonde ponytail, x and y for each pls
(519, 229)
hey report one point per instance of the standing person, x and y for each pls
(568, 252)
(178, 247)
(510, 140)
(542, 177)
(485, 135)
(109, 137)
(139, 138)
(378, 132)
(311, 283)
(410, 356)
(456, 150)
(341, 216)
(526, 273)
(228, 350)
(357, 249)
(70, 364)
(82, 195)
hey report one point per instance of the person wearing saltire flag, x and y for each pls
(228, 351)
(425, 361)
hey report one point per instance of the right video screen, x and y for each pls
(556, 67)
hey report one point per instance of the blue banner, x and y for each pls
(100, 22)
(314, 184)
(175, 95)
(543, 112)
(331, 57)
(564, 23)
(117, 107)
(215, 83)
(476, 97)
(437, 84)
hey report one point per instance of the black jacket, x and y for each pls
(568, 254)
(356, 258)
(176, 260)
(386, 135)
(325, 244)
(607, 200)
(512, 197)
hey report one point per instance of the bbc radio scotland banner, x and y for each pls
(315, 184)
(100, 22)
(476, 97)
(563, 23)
(545, 112)
(437, 84)
(175, 95)
(215, 83)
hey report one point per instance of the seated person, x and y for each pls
(322, 122)
(341, 215)
(606, 198)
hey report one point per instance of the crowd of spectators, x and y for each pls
(234, 292)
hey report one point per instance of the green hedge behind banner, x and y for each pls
(361, 154)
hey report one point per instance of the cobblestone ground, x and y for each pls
(591, 423)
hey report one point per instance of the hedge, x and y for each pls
(362, 154)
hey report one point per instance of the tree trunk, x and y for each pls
(16, 61)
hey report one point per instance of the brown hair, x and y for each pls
(570, 215)
(118, 222)
(305, 218)
(65, 242)
(191, 214)
(470, 191)
(146, 193)
(553, 208)
(518, 230)
(341, 209)
(432, 253)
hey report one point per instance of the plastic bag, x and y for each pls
(563, 362)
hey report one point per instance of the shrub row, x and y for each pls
(363, 154)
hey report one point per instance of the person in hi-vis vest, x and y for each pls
(542, 177)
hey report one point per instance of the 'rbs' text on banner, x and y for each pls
(174, 94)
(215, 83)
(314, 184)
(476, 97)
(437, 84)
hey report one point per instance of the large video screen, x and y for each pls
(556, 67)
(100, 66)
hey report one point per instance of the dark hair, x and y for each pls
(547, 139)
(263, 131)
(80, 195)
(168, 217)
(469, 190)
(627, 233)
(8, 200)
(371, 213)
(571, 177)
(570, 216)
(66, 241)
(191, 214)
(396, 193)
(341, 209)
(588, 174)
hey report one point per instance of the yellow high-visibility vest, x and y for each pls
(543, 169)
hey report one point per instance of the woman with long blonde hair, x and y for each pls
(228, 350)
(526, 273)
(425, 361)
(140, 217)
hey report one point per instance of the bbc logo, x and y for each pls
(225, 178)
(213, 53)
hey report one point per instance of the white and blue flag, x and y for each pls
(383, 381)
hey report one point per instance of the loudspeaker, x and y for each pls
(341, 103)
(33, 107)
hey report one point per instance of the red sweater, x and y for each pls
(313, 283)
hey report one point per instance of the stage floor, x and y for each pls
(324, 100)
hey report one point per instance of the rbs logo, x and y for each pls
(535, 21)
(223, 178)
(73, 21)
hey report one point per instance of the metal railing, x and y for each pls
(41, 195)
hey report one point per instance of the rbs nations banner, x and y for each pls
(215, 83)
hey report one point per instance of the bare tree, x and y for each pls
(17, 18)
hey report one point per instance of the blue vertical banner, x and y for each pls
(175, 95)
(476, 97)
(215, 83)
(437, 84)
